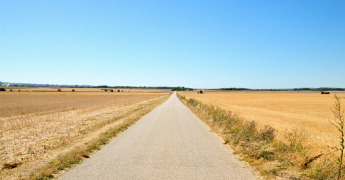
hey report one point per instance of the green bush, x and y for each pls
(73, 90)
(59, 90)
(2, 89)
(111, 90)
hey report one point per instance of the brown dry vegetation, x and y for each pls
(35, 124)
(295, 116)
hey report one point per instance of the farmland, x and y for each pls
(306, 113)
(36, 122)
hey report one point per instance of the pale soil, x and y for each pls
(306, 113)
(46, 122)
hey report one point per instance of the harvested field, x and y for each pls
(34, 123)
(306, 113)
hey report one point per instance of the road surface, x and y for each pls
(168, 143)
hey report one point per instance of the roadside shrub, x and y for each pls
(118, 90)
(105, 90)
(326, 169)
(267, 134)
(111, 90)
(59, 90)
(73, 90)
(268, 155)
(11, 90)
(247, 131)
(295, 142)
(2, 89)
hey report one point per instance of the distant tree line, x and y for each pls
(330, 89)
(294, 89)
(135, 87)
(234, 89)
(140, 87)
(181, 89)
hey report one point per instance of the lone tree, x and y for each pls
(118, 90)
(111, 90)
(59, 90)
(2, 89)
(73, 90)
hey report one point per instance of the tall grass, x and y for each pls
(272, 157)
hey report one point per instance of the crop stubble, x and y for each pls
(306, 113)
(32, 123)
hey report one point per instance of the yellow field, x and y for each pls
(32, 123)
(303, 112)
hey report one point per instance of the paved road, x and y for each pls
(168, 143)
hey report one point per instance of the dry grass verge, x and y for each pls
(62, 157)
(273, 158)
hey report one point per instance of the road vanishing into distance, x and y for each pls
(170, 142)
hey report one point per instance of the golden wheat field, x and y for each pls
(32, 123)
(304, 112)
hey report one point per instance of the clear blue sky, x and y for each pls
(200, 44)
